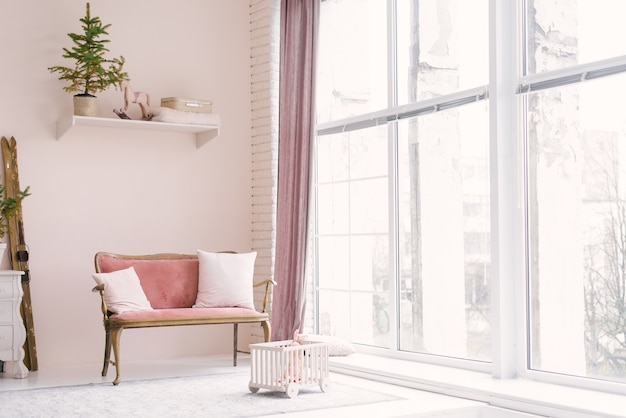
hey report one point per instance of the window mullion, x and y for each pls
(504, 183)
(392, 132)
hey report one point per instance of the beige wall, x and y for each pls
(122, 190)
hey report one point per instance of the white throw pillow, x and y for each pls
(336, 346)
(123, 291)
(225, 280)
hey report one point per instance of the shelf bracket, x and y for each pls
(204, 137)
(64, 125)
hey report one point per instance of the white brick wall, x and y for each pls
(264, 62)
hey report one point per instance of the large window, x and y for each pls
(402, 176)
(422, 197)
(576, 132)
(443, 233)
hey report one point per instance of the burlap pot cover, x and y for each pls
(85, 106)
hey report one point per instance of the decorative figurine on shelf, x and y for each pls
(141, 98)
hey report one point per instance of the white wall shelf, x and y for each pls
(203, 133)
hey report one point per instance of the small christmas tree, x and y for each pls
(89, 74)
(9, 207)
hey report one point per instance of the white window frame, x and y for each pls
(506, 92)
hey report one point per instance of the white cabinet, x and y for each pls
(12, 331)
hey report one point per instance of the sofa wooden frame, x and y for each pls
(113, 326)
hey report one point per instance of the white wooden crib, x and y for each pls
(286, 367)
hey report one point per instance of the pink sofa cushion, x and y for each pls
(167, 282)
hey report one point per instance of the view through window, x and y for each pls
(576, 191)
(402, 231)
(404, 194)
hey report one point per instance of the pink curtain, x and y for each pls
(297, 67)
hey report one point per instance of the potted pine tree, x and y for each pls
(92, 72)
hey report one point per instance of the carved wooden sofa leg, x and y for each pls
(267, 330)
(107, 353)
(235, 345)
(115, 336)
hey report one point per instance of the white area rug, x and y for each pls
(218, 395)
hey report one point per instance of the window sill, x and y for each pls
(516, 394)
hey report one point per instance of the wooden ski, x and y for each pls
(18, 251)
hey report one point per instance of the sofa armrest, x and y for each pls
(267, 283)
(100, 289)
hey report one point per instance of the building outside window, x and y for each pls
(409, 191)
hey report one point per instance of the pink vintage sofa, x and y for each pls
(170, 282)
